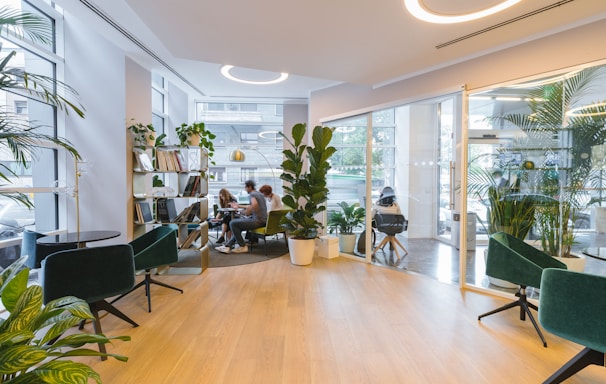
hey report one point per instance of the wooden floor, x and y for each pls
(335, 321)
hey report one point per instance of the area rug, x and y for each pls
(275, 248)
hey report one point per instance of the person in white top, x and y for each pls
(386, 203)
(274, 203)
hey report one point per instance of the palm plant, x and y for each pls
(22, 138)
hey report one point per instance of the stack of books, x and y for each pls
(143, 213)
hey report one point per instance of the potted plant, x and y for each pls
(196, 134)
(344, 222)
(143, 134)
(305, 191)
(33, 347)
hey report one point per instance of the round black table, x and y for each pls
(80, 238)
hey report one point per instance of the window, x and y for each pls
(217, 175)
(21, 107)
(248, 174)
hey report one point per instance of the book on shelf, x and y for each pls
(142, 161)
(167, 212)
(144, 214)
(192, 188)
(169, 160)
(188, 215)
(189, 240)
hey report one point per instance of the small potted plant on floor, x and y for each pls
(344, 222)
(305, 190)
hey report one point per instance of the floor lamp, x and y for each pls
(239, 156)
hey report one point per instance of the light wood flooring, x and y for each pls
(335, 321)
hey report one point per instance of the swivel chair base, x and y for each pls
(583, 359)
(525, 306)
(147, 282)
(393, 244)
(103, 305)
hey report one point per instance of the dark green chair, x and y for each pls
(272, 227)
(572, 306)
(153, 249)
(91, 274)
(37, 252)
(511, 259)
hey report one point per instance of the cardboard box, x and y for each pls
(328, 247)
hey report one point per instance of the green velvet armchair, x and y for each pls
(153, 249)
(511, 259)
(35, 252)
(572, 306)
(92, 274)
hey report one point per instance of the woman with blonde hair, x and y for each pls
(225, 200)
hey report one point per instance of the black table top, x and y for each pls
(78, 237)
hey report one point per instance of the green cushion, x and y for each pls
(572, 305)
(272, 225)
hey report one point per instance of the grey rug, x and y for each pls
(275, 248)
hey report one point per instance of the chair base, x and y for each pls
(103, 305)
(258, 235)
(525, 307)
(583, 359)
(147, 282)
(393, 243)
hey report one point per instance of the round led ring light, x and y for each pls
(225, 71)
(418, 11)
(576, 111)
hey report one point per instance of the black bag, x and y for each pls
(362, 241)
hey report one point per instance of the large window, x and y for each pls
(38, 176)
(251, 128)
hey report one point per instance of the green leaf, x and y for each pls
(14, 288)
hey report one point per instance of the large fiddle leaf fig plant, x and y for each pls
(305, 191)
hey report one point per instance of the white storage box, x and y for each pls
(328, 247)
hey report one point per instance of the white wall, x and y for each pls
(96, 69)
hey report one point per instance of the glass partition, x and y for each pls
(536, 163)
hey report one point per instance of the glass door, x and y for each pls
(445, 170)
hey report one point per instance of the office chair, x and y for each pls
(572, 306)
(390, 224)
(93, 275)
(511, 259)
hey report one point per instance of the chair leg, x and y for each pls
(525, 306)
(147, 281)
(381, 245)
(583, 359)
(98, 330)
(103, 305)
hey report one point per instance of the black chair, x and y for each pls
(390, 224)
(38, 252)
(511, 259)
(572, 306)
(153, 249)
(93, 275)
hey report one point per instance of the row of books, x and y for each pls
(170, 161)
(167, 213)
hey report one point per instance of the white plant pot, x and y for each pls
(347, 242)
(301, 251)
(575, 263)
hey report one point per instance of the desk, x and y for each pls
(80, 238)
(232, 211)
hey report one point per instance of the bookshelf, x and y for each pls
(170, 185)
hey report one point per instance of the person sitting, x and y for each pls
(254, 216)
(273, 199)
(225, 200)
(386, 203)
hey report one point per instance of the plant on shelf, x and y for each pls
(196, 134)
(143, 134)
(344, 222)
(33, 344)
(18, 136)
(305, 191)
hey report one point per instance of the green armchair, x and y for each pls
(153, 249)
(92, 274)
(511, 259)
(572, 306)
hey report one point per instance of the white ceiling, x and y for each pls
(319, 42)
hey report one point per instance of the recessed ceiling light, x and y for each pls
(418, 11)
(226, 71)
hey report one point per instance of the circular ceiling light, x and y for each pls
(226, 71)
(576, 111)
(420, 12)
